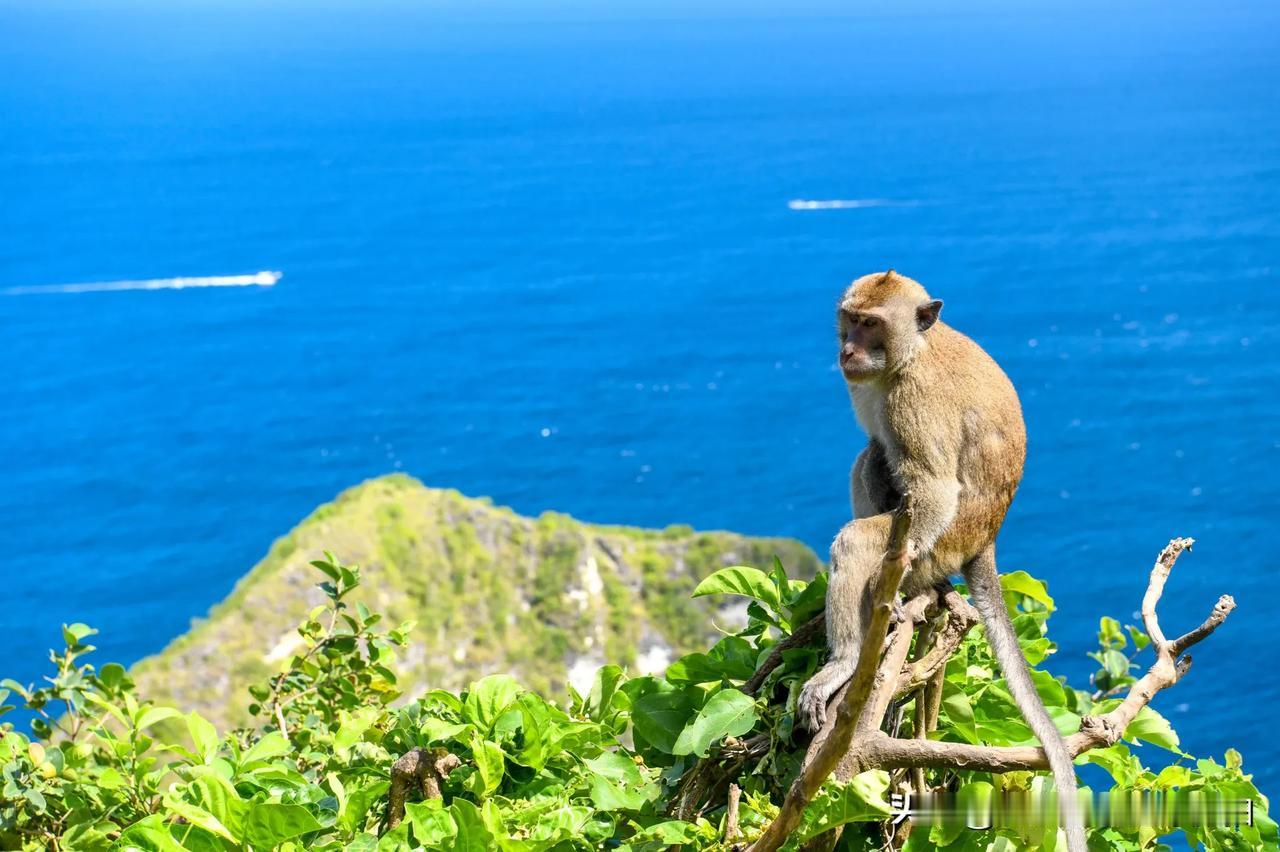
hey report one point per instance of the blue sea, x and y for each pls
(547, 253)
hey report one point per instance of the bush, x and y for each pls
(639, 763)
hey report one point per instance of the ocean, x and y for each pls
(561, 256)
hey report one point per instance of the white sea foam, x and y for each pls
(847, 203)
(266, 278)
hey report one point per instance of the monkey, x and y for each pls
(944, 423)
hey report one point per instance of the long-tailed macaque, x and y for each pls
(944, 423)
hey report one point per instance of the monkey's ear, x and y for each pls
(927, 314)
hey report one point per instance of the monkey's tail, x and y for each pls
(988, 598)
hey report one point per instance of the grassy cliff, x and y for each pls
(547, 599)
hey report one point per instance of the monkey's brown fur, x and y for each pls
(944, 423)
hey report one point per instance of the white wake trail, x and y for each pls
(266, 278)
(847, 203)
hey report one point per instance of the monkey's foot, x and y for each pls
(811, 707)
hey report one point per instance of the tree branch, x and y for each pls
(853, 742)
(877, 750)
(836, 745)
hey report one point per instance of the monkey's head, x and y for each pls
(881, 322)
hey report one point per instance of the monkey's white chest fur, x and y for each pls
(869, 408)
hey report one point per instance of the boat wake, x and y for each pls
(847, 203)
(265, 278)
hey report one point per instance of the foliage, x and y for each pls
(102, 769)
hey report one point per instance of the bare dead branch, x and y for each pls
(1221, 610)
(731, 814)
(425, 768)
(1155, 587)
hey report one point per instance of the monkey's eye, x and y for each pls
(870, 322)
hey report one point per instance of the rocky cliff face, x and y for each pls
(548, 599)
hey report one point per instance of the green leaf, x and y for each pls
(741, 580)
(204, 735)
(809, 602)
(955, 703)
(539, 731)
(396, 840)
(153, 715)
(199, 816)
(215, 796)
(490, 765)
(473, 835)
(355, 810)
(328, 568)
(488, 698)
(112, 675)
(1049, 688)
(362, 843)
(1173, 776)
(436, 730)
(661, 716)
(696, 668)
(616, 783)
(563, 823)
(729, 713)
(1109, 633)
(1022, 583)
(36, 798)
(149, 835)
(1151, 727)
(74, 634)
(735, 656)
(268, 824)
(1115, 662)
(433, 826)
(1119, 763)
(110, 779)
(273, 744)
(670, 833)
(353, 727)
(862, 799)
(599, 702)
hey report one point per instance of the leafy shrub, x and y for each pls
(621, 767)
